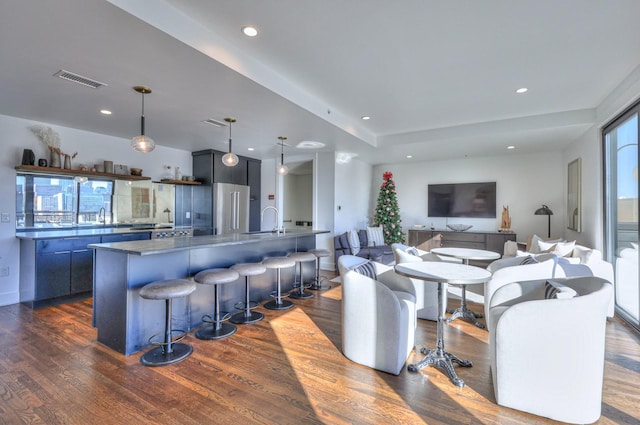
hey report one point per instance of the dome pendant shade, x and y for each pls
(230, 159)
(283, 170)
(142, 143)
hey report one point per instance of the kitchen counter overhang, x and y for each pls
(125, 321)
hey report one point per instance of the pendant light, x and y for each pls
(142, 143)
(283, 169)
(230, 159)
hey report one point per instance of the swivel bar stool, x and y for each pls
(300, 258)
(247, 316)
(317, 282)
(218, 329)
(169, 351)
(278, 263)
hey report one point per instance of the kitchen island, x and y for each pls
(125, 321)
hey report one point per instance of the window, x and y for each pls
(61, 201)
(620, 140)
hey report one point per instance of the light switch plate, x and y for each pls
(5, 217)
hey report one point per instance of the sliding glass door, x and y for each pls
(621, 211)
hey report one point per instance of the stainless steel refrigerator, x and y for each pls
(230, 208)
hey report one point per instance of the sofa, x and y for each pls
(378, 253)
(588, 260)
(547, 353)
(378, 315)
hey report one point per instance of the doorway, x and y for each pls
(297, 188)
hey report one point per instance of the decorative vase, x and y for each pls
(55, 160)
(67, 162)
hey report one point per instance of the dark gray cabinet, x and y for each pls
(52, 269)
(490, 241)
(208, 169)
(63, 267)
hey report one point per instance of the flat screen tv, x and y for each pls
(462, 200)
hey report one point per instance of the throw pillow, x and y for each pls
(634, 245)
(561, 249)
(510, 248)
(412, 251)
(556, 290)
(532, 245)
(354, 241)
(375, 237)
(529, 260)
(366, 269)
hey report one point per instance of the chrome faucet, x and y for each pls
(102, 216)
(271, 207)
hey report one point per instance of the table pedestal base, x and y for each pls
(463, 312)
(443, 361)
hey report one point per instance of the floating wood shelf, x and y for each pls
(169, 181)
(34, 169)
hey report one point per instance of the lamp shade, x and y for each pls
(230, 159)
(543, 210)
(142, 143)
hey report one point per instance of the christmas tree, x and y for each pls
(387, 214)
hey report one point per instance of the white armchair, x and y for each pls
(547, 355)
(378, 316)
(516, 273)
(426, 293)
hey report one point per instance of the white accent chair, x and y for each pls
(426, 293)
(517, 273)
(547, 355)
(378, 316)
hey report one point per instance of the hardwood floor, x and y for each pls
(287, 369)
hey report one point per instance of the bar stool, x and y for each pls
(218, 329)
(247, 316)
(169, 351)
(278, 263)
(300, 258)
(317, 284)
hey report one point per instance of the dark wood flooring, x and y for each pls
(287, 369)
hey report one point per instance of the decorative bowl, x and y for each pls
(135, 171)
(459, 227)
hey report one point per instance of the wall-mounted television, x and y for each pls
(462, 200)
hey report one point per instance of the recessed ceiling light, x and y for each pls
(409, 156)
(310, 144)
(522, 90)
(250, 149)
(365, 117)
(105, 112)
(250, 31)
(511, 147)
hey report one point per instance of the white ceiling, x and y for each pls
(438, 78)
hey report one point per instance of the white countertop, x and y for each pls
(159, 246)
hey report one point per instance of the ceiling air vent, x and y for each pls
(214, 123)
(79, 79)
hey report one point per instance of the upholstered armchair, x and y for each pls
(547, 355)
(516, 273)
(378, 315)
(627, 281)
(426, 293)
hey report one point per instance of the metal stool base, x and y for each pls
(210, 332)
(158, 357)
(300, 295)
(283, 305)
(243, 319)
(319, 286)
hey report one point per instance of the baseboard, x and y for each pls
(9, 298)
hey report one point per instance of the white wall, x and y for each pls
(523, 182)
(589, 148)
(352, 196)
(91, 147)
